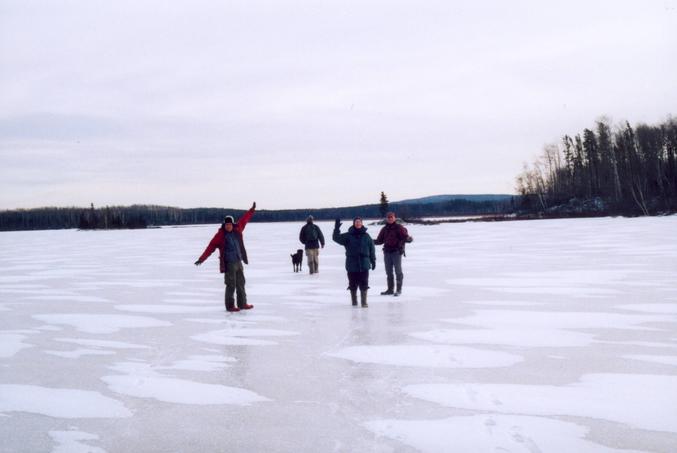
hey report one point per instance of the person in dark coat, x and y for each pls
(232, 253)
(312, 238)
(360, 257)
(393, 236)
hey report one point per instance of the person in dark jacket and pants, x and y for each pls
(228, 239)
(311, 236)
(393, 236)
(360, 257)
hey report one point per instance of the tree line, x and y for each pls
(625, 170)
(143, 216)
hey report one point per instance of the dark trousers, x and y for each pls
(393, 262)
(358, 279)
(234, 279)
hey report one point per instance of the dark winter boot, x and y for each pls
(388, 291)
(363, 298)
(353, 297)
(230, 305)
(398, 291)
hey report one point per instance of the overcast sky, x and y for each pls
(311, 103)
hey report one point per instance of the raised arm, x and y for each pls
(337, 236)
(246, 217)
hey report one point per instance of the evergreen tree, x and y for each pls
(383, 206)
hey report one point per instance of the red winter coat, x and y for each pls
(393, 236)
(219, 241)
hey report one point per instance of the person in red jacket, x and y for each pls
(228, 239)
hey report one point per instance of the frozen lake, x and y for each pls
(553, 336)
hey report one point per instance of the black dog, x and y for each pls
(297, 260)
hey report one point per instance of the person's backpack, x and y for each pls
(311, 233)
(403, 245)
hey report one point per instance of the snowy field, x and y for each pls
(550, 336)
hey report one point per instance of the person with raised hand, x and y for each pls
(232, 253)
(360, 257)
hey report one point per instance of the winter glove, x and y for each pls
(198, 262)
(337, 224)
(373, 265)
(409, 239)
(254, 205)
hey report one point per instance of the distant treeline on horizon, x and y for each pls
(143, 216)
(624, 170)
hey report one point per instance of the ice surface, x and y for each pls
(437, 356)
(554, 335)
(102, 343)
(141, 308)
(100, 323)
(651, 308)
(489, 433)
(143, 382)
(508, 336)
(77, 353)
(59, 402)
(70, 442)
(662, 359)
(238, 334)
(201, 363)
(11, 343)
(653, 398)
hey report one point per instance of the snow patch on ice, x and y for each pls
(641, 401)
(433, 356)
(71, 442)
(201, 363)
(661, 359)
(142, 382)
(651, 308)
(190, 301)
(576, 283)
(489, 433)
(169, 309)
(647, 344)
(244, 319)
(513, 337)
(510, 319)
(59, 402)
(502, 303)
(50, 328)
(77, 353)
(241, 336)
(206, 320)
(69, 298)
(100, 323)
(102, 343)
(12, 343)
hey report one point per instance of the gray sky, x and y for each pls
(307, 103)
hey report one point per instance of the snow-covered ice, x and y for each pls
(557, 335)
(70, 442)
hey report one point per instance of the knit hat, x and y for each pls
(229, 219)
(310, 218)
(355, 218)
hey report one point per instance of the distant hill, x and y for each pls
(478, 198)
